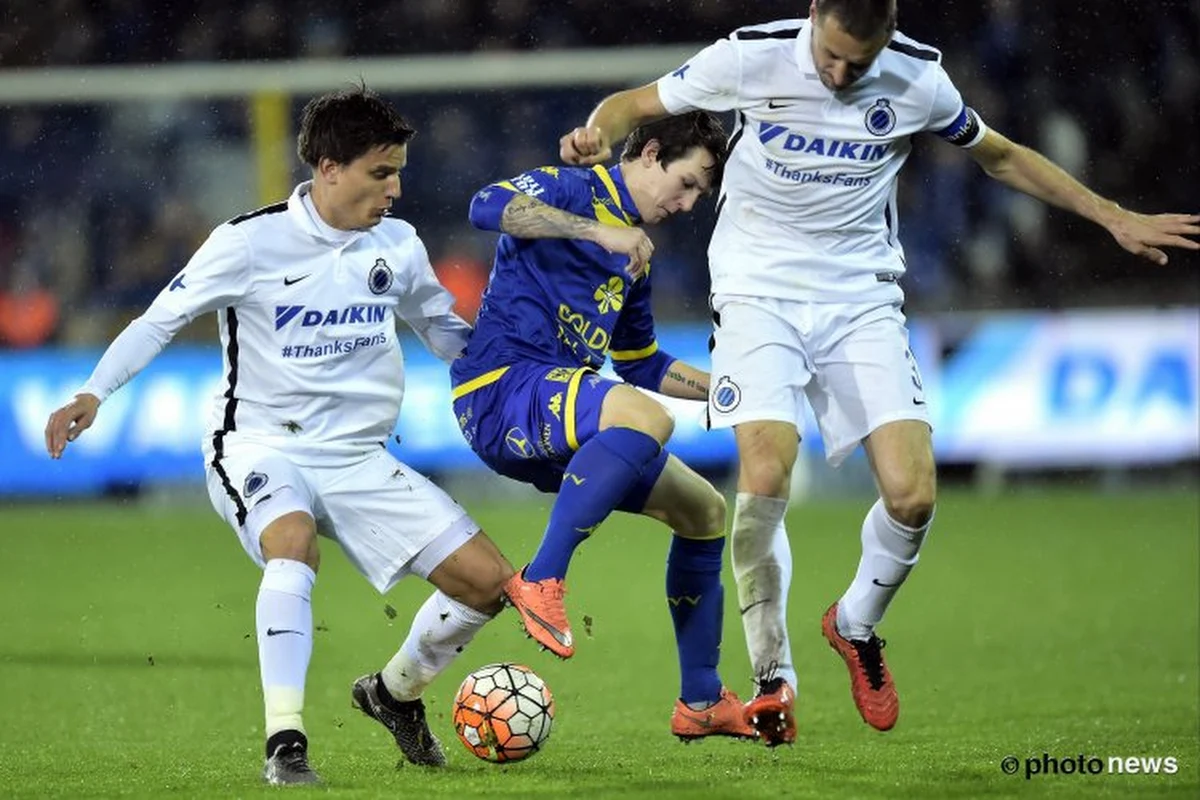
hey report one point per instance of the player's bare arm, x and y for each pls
(529, 218)
(685, 381)
(611, 121)
(1030, 172)
(68, 422)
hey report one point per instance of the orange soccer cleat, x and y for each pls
(543, 614)
(726, 717)
(772, 712)
(871, 684)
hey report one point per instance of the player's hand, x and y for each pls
(1145, 234)
(68, 422)
(584, 147)
(632, 242)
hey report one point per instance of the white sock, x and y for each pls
(440, 630)
(283, 618)
(889, 552)
(762, 567)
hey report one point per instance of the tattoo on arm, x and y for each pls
(690, 383)
(529, 218)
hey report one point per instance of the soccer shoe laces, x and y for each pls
(768, 679)
(870, 658)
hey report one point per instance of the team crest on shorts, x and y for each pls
(725, 395)
(254, 482)
(880, 118)
(379, 280)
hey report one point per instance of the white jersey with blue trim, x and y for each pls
(307, 316)
(808, 202)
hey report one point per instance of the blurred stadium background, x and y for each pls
(128, 130)
(1062, 372)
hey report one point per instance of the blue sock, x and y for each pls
(697, 602)
(597, 478)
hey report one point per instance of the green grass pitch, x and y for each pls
(1042, 621)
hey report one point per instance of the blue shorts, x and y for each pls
(526, 421)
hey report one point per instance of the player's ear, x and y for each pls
(650, 153)
(328, 169)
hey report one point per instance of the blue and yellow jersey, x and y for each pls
(562, 302)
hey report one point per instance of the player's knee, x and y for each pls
(629, 408)
(658, 422)
(766, 475)
(485, 593)
(293, 537)
(703, 518)
(911, 502)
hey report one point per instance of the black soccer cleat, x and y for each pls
(404, 720)
(287, 760)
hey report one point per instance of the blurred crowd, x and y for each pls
(100, 204)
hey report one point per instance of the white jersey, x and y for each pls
(307, 317)
(808, 202)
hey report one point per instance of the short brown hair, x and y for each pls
(342, 126)
(862, 19)
(677, 135)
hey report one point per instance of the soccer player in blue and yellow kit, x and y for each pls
(570, 287)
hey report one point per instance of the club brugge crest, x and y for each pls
(880, 118)
(380, 278)
(254, 482)
(725, 395)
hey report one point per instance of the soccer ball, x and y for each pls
(503, 712)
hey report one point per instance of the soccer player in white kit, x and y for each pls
(307, 294)
(805, 265)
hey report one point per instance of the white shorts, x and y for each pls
(388, 518)
(852, 362)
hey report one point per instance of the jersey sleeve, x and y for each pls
(634, 348)
(951, 118)
(428, 307)
(709, 81)
(561, 189)
(216, 276)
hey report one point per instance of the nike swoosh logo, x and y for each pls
(877, 582)
(562, 638)
(755, 603)
(274, 632)
(773, 104)
(289, 280)
(702, 721)
(917, 402)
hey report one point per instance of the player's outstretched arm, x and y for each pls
(529, 218)
(610, 122)
(683, 380)
(1030, 172)
(68, 422)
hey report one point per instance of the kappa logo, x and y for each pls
(380, 278)
(726, 395)
(880, 119)
(254, 482)
(555, 405)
